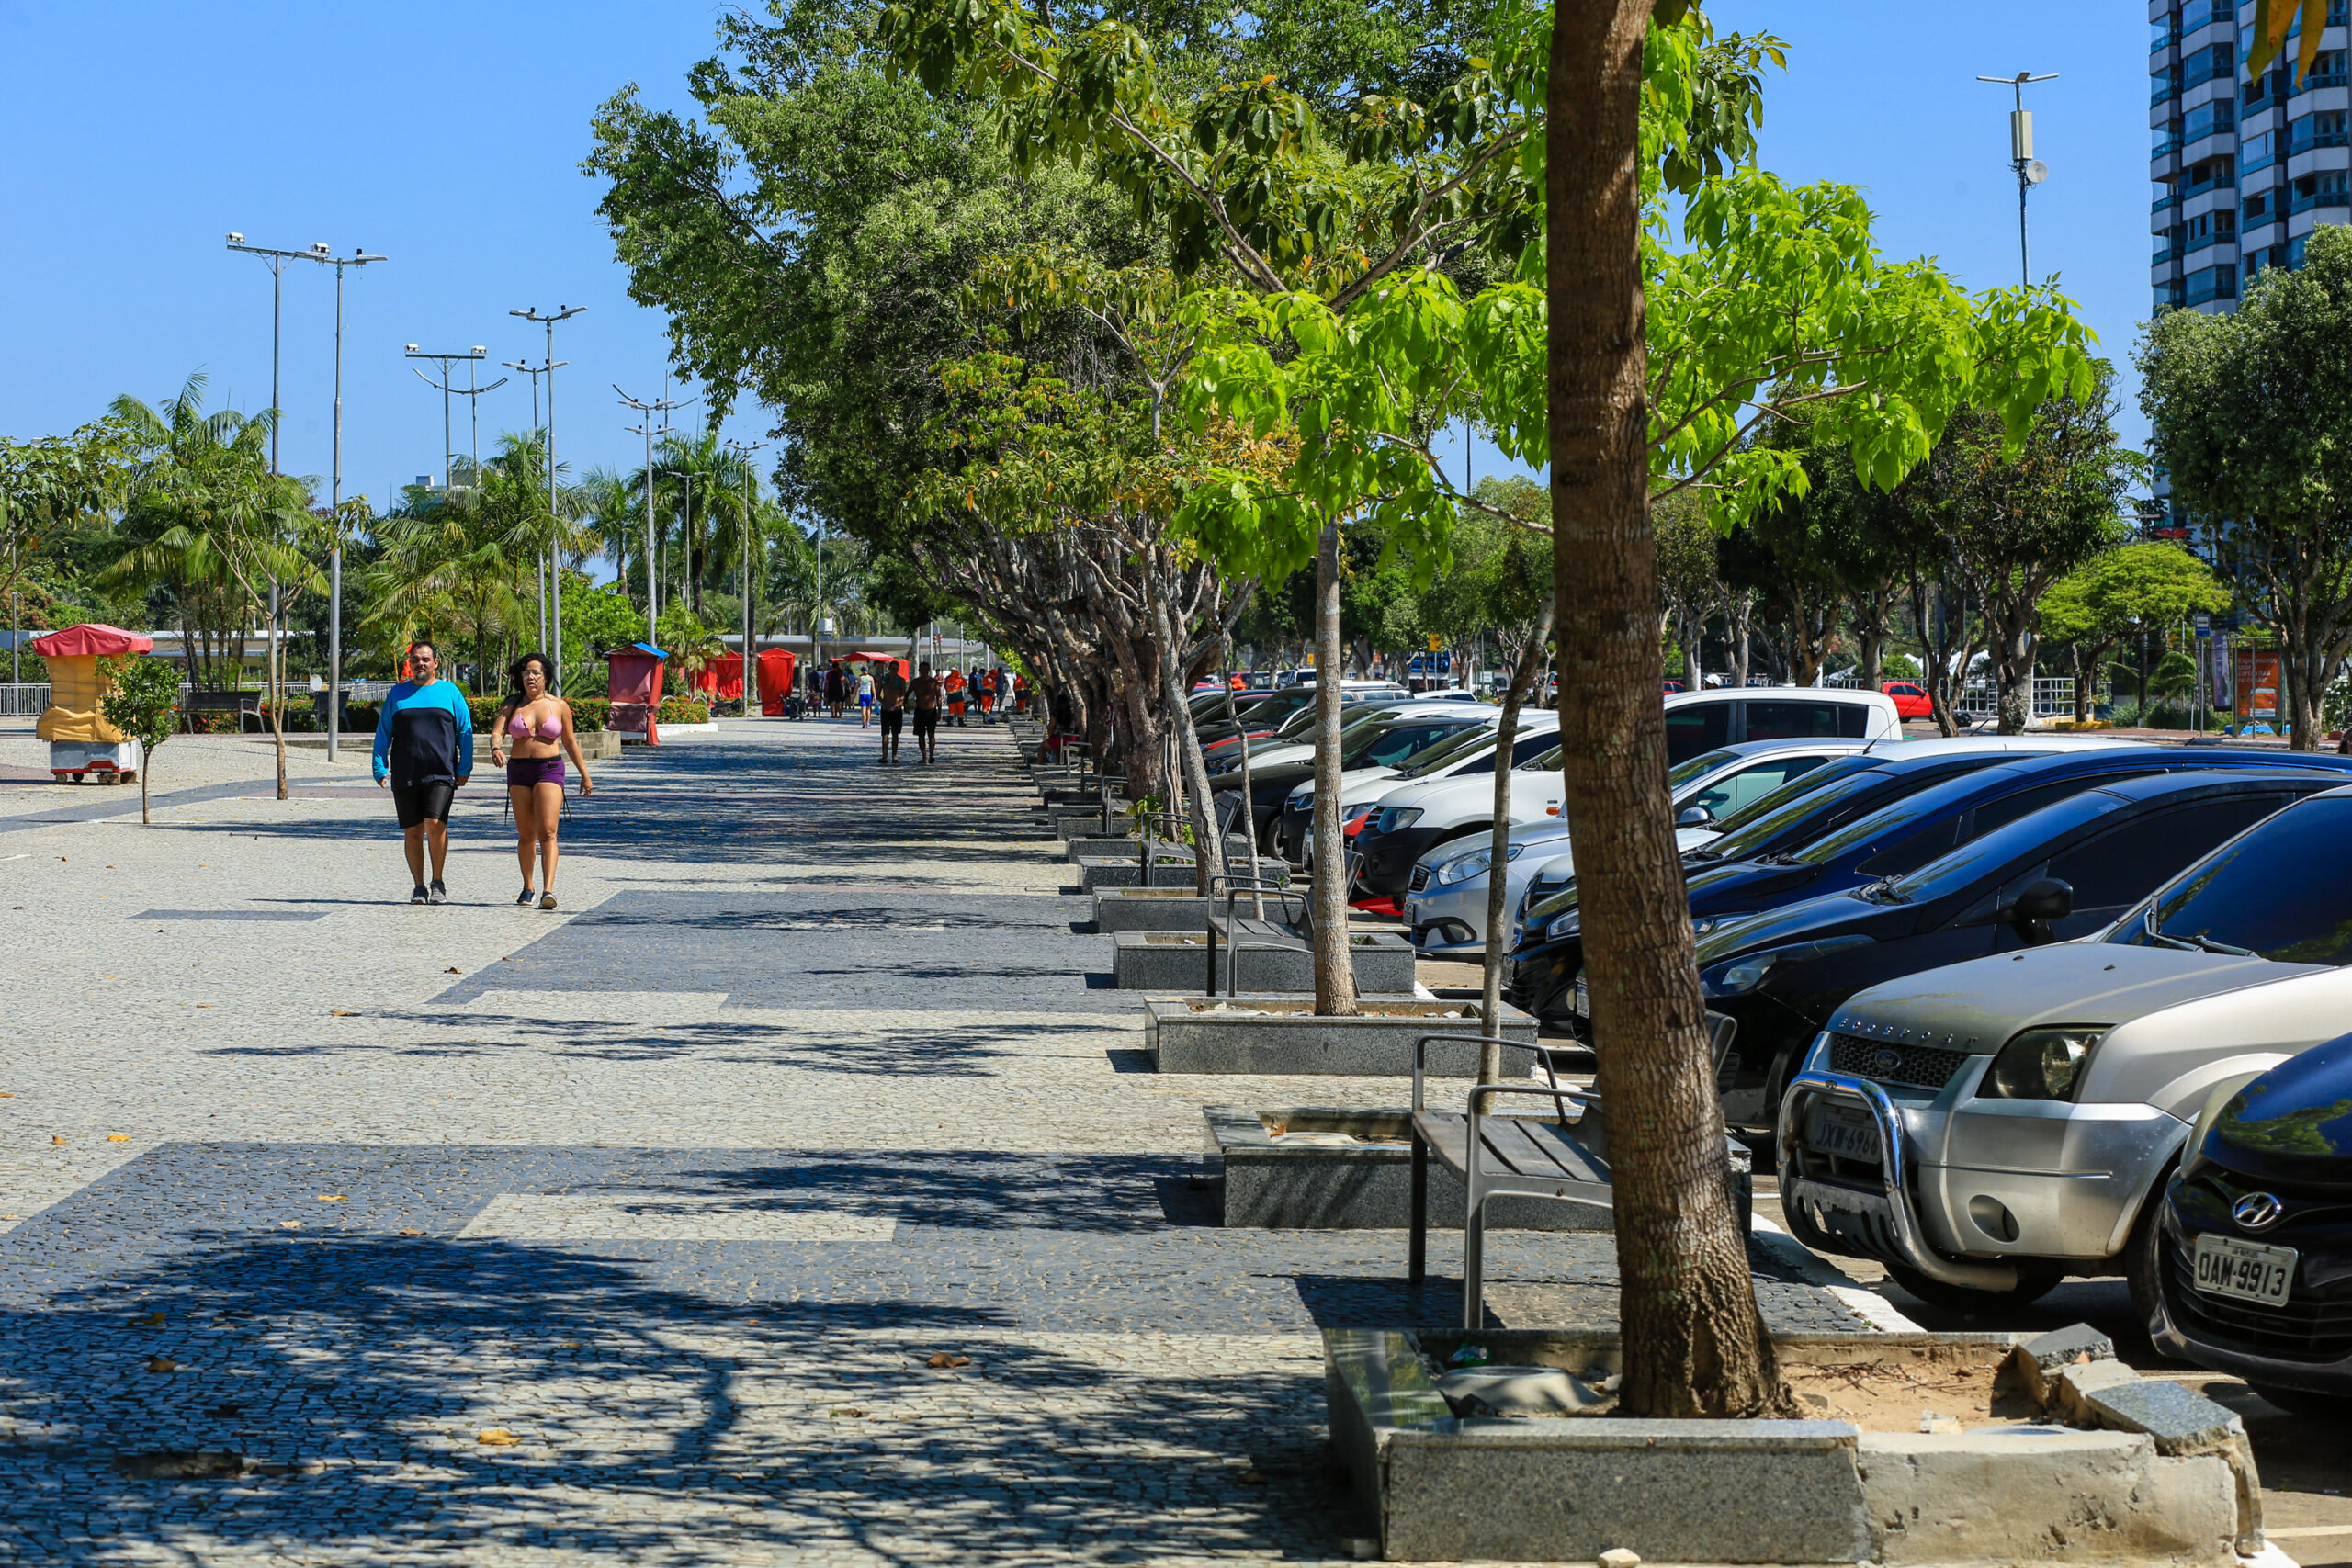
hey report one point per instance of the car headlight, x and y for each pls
(2043, 1064)
(1462, 868)
(1737, 977)
(1359, 811)
(1398, 817)
(1565, 925)
(1300, 799)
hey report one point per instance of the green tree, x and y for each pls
(2130, 590)
(145, 706)
(2253, 424)
(51, 485)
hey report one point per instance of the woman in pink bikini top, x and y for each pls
(532, 736)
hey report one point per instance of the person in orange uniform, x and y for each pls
(986, 685)
(955, 684)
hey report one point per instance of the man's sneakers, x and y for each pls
(546, 899)
(439, 895)
(523, 901)
(422, 895)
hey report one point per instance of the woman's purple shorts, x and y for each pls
(527, 771)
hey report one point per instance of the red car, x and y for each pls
(1910, 699)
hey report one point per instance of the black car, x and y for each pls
(1880, 821)
(1379, 739)
(2253, 1253)
(2067, 870)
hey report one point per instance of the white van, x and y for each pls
(1701, 722)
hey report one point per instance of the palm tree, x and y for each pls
(700, 483)
(463, 558)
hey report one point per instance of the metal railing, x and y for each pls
(2053, 698)
(25, 699)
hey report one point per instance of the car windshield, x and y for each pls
(1748, 828)
(1543, 761)
(1446, 753)
(1696, 768)
(2283, 892)
(1385, 745)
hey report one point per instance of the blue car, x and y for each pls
(1869, 826)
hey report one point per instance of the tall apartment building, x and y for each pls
(2244, 171)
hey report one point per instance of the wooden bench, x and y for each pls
(1497, 1155)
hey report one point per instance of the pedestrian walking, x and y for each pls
(890, 692)
(955, 684)
(530, 739)
(424, 752)
(865, 698)
(926, 696)
(987, 681)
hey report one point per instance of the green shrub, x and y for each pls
(589, 714)
(682, 710)
(361, 717)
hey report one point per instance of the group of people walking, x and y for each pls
(424, 754)
(988, 692)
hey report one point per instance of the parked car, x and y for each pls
(1853, 807)
(1380, 737)
(1698, 722)
(1278, 710)
(1445, 897)
(1911, 699)
(1465, 752)
(1295, 741)
(1988, 1128)
(2253, 1251)
(1784, 976)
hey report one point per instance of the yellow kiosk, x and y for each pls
(80, 740)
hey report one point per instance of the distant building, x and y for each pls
(2244, 171)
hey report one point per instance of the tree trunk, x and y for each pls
(1694, 1341)
(1335, 976)
(1248, 801)
(2013, 661)
(1490, 1010)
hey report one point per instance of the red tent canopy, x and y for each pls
(776, 665)
(904, 673)
(90, 638)
(722, 678)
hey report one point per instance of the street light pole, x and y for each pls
(646, 410)
(448, 390)
(743, 451)
(2032, 171)
(555, 559)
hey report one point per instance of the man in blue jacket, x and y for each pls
(425, 751)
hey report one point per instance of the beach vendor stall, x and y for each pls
(775, 671)
(80, 740)
(634, 684)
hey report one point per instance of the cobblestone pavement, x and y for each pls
(675, 1194)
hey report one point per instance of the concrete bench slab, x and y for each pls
(1178, 961)
(1430, 1486)
(1274, 1183)
(1253, 1034)
(1096, 873)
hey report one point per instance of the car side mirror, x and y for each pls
(2046, 899)
(1695, 817)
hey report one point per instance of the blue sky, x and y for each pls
(448, 137)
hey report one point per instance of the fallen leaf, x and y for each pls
(333, 1198)
(11, 1216)
(411, 1233)
(197, 1004)
(1251, 1478)
(948, 1358)
(118, 1137)
(162, 1364)
(9, 1094)
(153, 1320)
(852, 1414)
(340, 1013)
(290, 1224)
(497, 1438)
(453, 969)
(225, 1411)
(57, 1138)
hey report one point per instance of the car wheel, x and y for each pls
(2305, 1402)
(2035, 1281)
(2143, 1258)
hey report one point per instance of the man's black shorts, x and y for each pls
(894, 721)
(926, 722)
(423, 803)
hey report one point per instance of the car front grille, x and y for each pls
(1420, 878)
(2308, 1326)
(1913, 1066)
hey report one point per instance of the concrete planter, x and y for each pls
(1088, 846)
(1263, 1034)
(1177, 961)
(1271, 1183)
(1096, 875)
(1430, 1486)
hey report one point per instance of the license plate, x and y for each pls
(1843, 1131)
(2246, 1270)
(1580, 1001)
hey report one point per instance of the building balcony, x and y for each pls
(2214, 283)
(2162, 90)
(2207, 71)
(2309, 201)
(2216, 182)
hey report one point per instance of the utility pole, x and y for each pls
(2031, 170)
(324, 255)
(646, 410)
(277, 262)
(743, 451)
(555, 557)
(448, 390)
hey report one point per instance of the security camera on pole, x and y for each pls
(2032, 171)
